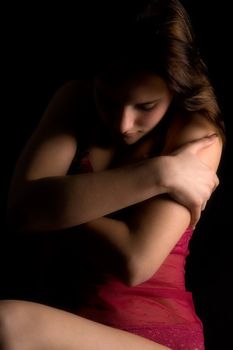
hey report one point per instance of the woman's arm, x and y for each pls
(158, 224)
(43, 197)
(150, 231)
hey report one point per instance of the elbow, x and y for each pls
(19, 214)
(34, 208)
(135, 280)
(138, 271)
(17, 221)
(26, 221)
(21, 219)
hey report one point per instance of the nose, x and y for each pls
(126, 119)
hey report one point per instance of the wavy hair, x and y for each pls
(157, 35)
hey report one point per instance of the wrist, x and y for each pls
(159, 171)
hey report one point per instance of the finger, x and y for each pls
(198, 144)
(196, 213)
(216, 182)
(203, 206)
(204, 142)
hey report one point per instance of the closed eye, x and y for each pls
(146, 106)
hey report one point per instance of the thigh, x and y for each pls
(27, 325)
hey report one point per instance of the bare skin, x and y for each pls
(185, 173)
(45, 161)
(31, 326)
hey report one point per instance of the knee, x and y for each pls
(5, 324)
(13, 325)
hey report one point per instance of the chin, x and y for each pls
(130, 139)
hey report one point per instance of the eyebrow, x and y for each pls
(105, 94)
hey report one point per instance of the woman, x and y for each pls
(128, 158)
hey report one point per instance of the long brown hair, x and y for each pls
(157, 35)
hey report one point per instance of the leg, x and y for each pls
(30, 326)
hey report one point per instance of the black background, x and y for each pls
(43, 49)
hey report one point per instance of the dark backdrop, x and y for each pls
(47, 48)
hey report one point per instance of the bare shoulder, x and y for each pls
(194, 127)
(67, 101)
(53, 144)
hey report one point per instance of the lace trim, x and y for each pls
(177, 337)
(181, 246)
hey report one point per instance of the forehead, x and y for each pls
(132, 86)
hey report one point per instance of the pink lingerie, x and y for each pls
(160, 309)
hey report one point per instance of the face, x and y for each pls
(132, 107)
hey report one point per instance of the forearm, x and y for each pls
(61, 202)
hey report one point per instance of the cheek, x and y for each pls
(150, 120)
(156, 115)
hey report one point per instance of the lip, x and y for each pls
(130, 134)
(130, 138)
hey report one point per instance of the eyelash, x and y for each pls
(112, 105)
(146, 108)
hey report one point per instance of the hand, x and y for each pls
(189, 181)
